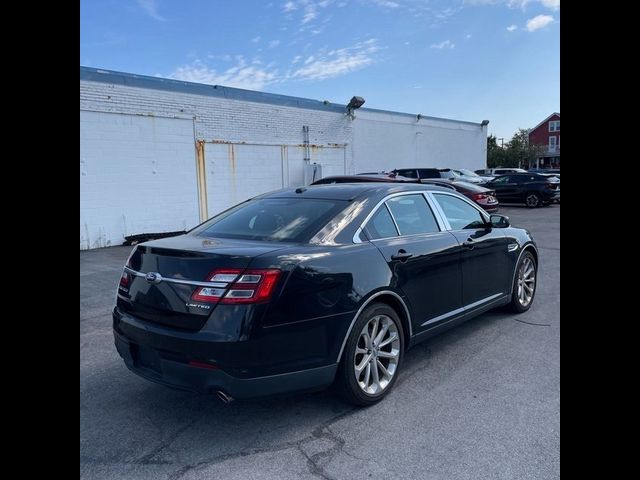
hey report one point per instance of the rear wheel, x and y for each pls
(532, 200)
(372, 356)
(524, 286)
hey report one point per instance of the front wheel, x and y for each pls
(532, 200)
(524, 283)
(372, 356)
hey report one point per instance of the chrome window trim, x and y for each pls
(443, 224)
(409, 236)
(179, 280)
(364, 305)
(483, 214)
(393, 219)
(360, 229)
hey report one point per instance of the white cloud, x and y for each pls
(552, 4)
(338, 62)
(296, 59)
(539, 21)
(512, 28)
(274, 43)
(386, 3)
(445, 44)
(241, 75)
(518, 3)
(256, 39)
(309, 13)
(151, 8)
(468, 35)
(289, 7)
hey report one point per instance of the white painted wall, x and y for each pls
(137, 175)
(237, 172)
(124, 129)
(384, 141)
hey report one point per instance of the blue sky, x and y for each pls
(461, 59)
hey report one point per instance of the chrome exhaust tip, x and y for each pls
(224, 397)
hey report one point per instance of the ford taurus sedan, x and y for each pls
(302, 288)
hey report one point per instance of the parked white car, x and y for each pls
(469, 176)
(496, 172)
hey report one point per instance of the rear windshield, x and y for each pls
(273, 219)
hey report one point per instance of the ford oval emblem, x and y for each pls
(153, 277)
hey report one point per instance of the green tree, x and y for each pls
(516, 153)
(495, 154)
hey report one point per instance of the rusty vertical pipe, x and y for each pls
(202, 181)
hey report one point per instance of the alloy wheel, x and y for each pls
(532, 200)
(526, 281)
(377, 353)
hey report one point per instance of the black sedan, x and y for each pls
(532, 189)
(302, 288)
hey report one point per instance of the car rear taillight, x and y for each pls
(551, 186)
(125, 279)
(480, 196)
(250, 286)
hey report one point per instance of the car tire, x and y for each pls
(532, 200)
(356, 381)
(524, 283)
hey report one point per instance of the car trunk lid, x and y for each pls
(162, 276)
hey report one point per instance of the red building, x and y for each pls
(546, 135)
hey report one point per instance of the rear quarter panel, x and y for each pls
(321, 291)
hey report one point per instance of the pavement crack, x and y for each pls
(314, 461)
(532, 323)
(148, 458)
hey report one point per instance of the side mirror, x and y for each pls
(499, 221)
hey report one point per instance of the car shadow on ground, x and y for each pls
(129, 420)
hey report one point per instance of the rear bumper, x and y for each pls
(182, 376)
(164, 357)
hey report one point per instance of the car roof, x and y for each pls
(373, 177)
(459, 186)
(350, 191)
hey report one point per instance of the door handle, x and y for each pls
(470, 244)
(402, 255)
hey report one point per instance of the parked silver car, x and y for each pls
(469, 176)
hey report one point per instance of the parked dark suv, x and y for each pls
(421, 173)
(531, 189)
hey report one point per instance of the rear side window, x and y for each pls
(381, 225)
(273, 219)
(412, 214)
(460, 214)
(429, 173)
(408, 173)
(503, 179)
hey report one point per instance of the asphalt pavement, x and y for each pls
(481, 401)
